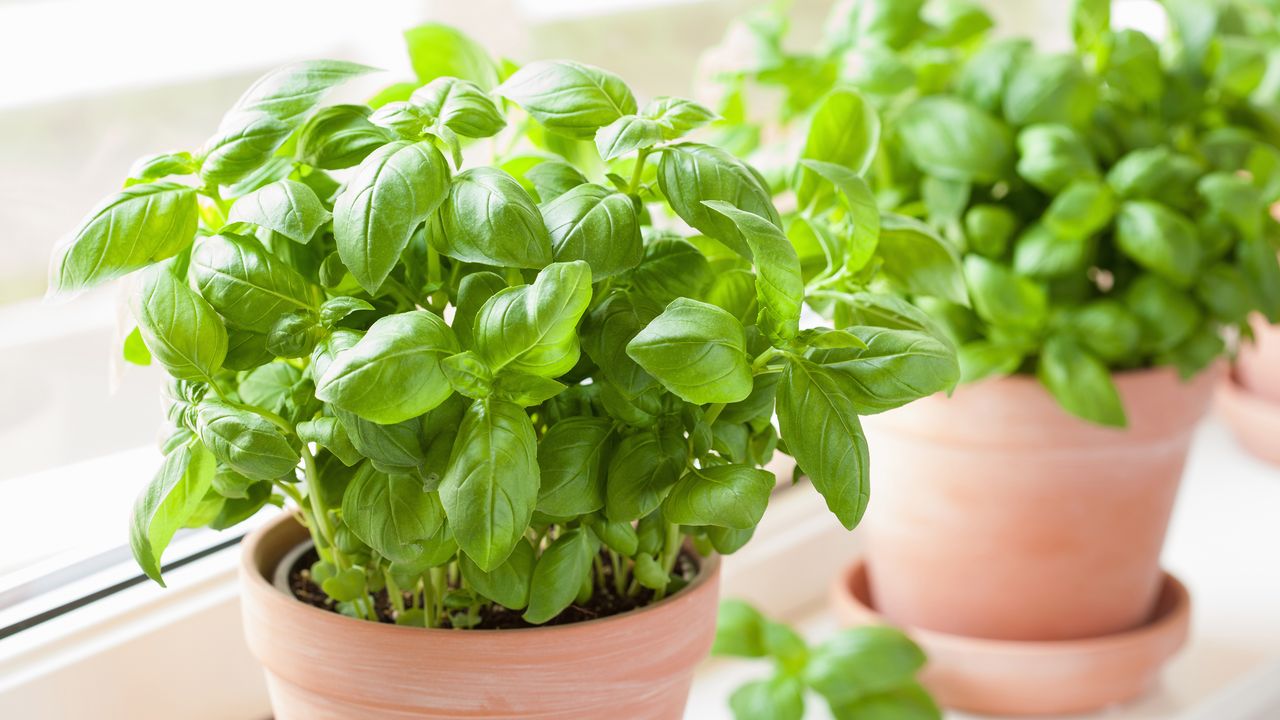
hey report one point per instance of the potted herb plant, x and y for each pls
(862, 673)
(1111, 207)
(509, 346)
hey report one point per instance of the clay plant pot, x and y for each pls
(1057, 677)
(1250, 397)
(998, 515)
(324, 666)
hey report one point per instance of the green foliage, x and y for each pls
(1111, 204)
(502, 334)
(865, 672)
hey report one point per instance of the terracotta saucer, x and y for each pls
(1254, 421)
(1003, 677)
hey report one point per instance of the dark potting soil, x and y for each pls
(605, 601)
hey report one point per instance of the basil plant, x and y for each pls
(503, 337)
(1110, 203)
(863, 673)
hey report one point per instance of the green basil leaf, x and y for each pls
(1105, 328)
(627, 133)
(985, 76)
(671, 268)
(893, 368)
(861, 206)
(1080, 382)
(1050, 157)
(571, 457)
(134, 350)
(1132, 66)
(402, 119)
(861, 662)
(334, 310)
(1159, 239)
(491, 220)
(286, 207)
(270, 387)
(166, 503)
(844, 130)
(592, 223)
(779, 286)
(339, 136)
(397, 446)
(247, 285)
(159, 166)
(468, 375)
(677, 116)
(981, 359)
(508, 584)
(140, 225)
(642, 471)
(533, 328)
(491, 486)
(697, 351)
(1156, 174)
(234, 511)
(952, 139)
(1166, 313)
(393, 191)
(1040, 253)
(621, 537)
(526, 390)
(1257, 259)
(569, 98)
(266, 114)
(907, 702)
(437, 50)
(1004, 298)
(329, 433)
(461, 106)
(393, 373)
(819, 422)
(245, 441)
(473, 292)
(739, 630)
(690, 174)
(605, 334)
(917, 261)
(181, 330)
(732, 496)
(1090, 22)
(563, 568)
(989, 228)
(246, 350)
(391, 512)
(553, 178)
(777, 698)
(1050, 89)
(1081, 210)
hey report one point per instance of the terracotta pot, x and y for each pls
(1010, 677)
(324, 666)
(1257, 368)
(996, 514)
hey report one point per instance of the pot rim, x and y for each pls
(1170, 617)
(708, 568)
